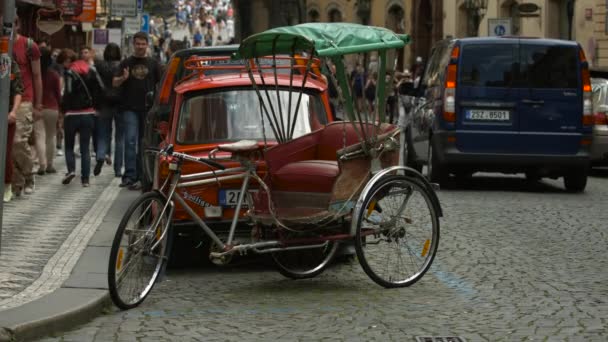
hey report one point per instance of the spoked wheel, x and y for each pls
(138, 250)
(397, 232)
(305, 263)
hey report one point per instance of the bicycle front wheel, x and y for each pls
(397, 232)
(138, 250)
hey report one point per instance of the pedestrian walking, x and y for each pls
(82, 89)
(46, 129)
(108, 113)
(15, 95)
(139, 74)
(27, 56)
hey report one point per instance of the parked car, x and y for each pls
(599, 146)
(503, 104)
(213, 108)
(163, 100)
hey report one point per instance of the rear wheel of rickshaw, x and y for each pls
(397, 232)
(138, 251)
(305, 263)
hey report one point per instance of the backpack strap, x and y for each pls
(86, 89)
(98, 78)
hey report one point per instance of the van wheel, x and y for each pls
(435, 174)
(576, 180)
(408, 155)
(532, 177)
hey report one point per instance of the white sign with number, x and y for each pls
(124, 8)
(499, 27)
(131, 25)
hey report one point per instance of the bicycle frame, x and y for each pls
(246, 172)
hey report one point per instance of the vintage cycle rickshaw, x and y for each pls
(340, 183)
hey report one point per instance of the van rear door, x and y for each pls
(487, 103)
(551, 105)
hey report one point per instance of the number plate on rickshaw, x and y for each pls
(229, 198)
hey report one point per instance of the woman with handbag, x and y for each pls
(107, 113)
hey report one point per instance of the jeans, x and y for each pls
(82, 124)
(133, 133)
(104, 137)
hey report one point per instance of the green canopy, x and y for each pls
(327, 40)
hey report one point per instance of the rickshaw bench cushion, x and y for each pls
(298, 176)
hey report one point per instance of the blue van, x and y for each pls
(503, 104)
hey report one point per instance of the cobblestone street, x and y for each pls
(515, 262)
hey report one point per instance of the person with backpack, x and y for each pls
(138, 75)
(27, 56)
(82, 89)
(108, 113)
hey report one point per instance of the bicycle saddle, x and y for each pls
(239, 146)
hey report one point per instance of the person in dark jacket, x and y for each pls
(108, 112)
(81, 91)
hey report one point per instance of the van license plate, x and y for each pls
(487, 115)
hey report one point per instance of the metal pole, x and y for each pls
(6, 53)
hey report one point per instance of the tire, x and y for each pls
(576, 181)
(378, 240)
(408, 154)
(532, 177)
(304, 263)
(435, 174)
(135, 236)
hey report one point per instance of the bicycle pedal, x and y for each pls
(435, 186)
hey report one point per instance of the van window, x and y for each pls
(549, 66)
(488, 65)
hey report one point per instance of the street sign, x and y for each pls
(499, 26)
(145, 22)
(131, 25)
(123, 8)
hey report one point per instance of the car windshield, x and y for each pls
(235, 114)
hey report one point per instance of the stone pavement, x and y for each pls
(516, 262)
(44, 236)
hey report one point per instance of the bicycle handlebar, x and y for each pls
(169, 152)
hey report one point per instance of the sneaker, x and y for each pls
(59, 153)
(8, 193)
(41, 172)
(68, 178)
(108, 160)
(51, 169)
(29, 188)
(17, 192)
(125, 183)
(97, 169)
(85, 184)
(135, 186)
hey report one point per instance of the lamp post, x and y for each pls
(476, 10)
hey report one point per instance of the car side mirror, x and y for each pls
(149, 99)
(407, 88)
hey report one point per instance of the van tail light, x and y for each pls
(449, 97)
(601, 118)
(165, 90)
(588, 117)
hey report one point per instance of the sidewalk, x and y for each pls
(54, 253)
